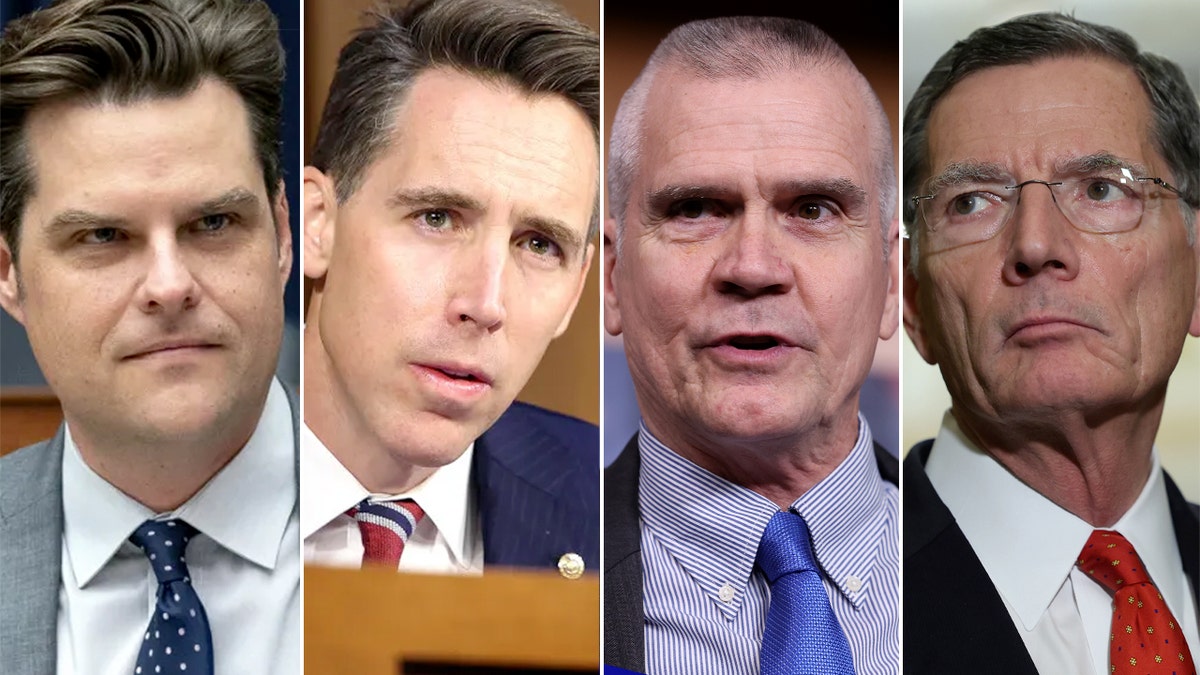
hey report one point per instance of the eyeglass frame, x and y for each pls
(917, 200)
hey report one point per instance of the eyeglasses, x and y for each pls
(1106, 202)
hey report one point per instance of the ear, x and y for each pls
(891, 302)
(1194, 329)
(913, 324)
(283, 233)
(612, 303)
(587, 264)
(10, 285)
(320, 218)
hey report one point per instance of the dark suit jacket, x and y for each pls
(624, 621)
(31, 524)
(537, 479)
(954, 619)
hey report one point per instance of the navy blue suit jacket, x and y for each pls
(960, 624)
(536, 475)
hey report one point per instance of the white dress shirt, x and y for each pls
(1029, 546)
(448, 539)
(244, 564)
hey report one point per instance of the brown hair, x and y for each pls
(122, 51)
(532, 45)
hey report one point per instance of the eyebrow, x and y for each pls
(237, 199)
(1098, 161)
(567, 238)
(960, 173)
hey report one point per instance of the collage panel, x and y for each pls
(144, 272)
(1051, 180)
(751, 282)
(451, 194)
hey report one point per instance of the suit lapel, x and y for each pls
(954, 620)
(523, 488)
(31, 523)
(624, 640)
(1185, 518)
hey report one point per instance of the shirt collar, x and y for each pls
(328, 490)
(844, 514)
(712, 526)
(259, 481)
(999, 515)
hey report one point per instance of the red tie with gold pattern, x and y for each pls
(1145, 636)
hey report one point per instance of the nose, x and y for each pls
(477, 292)
(169, 285)
(1041, 241)
(749, 264)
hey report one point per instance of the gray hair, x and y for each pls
(532, 45)
(123, 51)
(1035, 37)
(744, 48)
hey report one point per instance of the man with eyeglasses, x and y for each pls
(1052, 179)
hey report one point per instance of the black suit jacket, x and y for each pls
(954, 619)
(624, 621)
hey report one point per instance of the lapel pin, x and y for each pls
(570, 565)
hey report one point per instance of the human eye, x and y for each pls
(214, 222)
(438, 220)
(540, 245)
(1103, 189)
(101, 235)
(812, 209)
(967, 204)
(694, 208)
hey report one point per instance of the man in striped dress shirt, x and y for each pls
(750, 270)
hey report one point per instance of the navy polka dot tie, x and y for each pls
(178, 639)
(802, 634)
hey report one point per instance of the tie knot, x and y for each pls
(402, 514)
(785, 547)
(1110, 559)
(163, 542)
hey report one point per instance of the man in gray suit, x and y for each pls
(145, 249)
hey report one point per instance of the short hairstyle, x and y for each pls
(1175, 115)
(740, 48)
(534, 46)
(125, 51)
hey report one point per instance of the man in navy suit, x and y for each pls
(448, 215)
(1052, 173)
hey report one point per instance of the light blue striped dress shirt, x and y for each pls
(706, 604)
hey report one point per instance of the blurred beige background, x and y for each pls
(568, 379)
(1167, 28)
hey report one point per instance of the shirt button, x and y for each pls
(853, 583)
(726, 593)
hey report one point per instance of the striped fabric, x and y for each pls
(385, 527)
(706, 605)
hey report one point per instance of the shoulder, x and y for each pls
(525, 419)
(43, 457)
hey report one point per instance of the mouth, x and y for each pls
(460, 373)
(169, 347)
(1045, 326)
(754, 343)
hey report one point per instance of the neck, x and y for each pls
(780, 469)
(160, 473)
(343, 430)
(1093, 465)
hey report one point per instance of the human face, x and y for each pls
(751, 283)
(449, 270)
(152, 268)
(1044, 318)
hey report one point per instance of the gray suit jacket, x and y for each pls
(31, 523)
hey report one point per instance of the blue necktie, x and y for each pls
(178, 639)
(802, 636)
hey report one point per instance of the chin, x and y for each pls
(432, 441)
